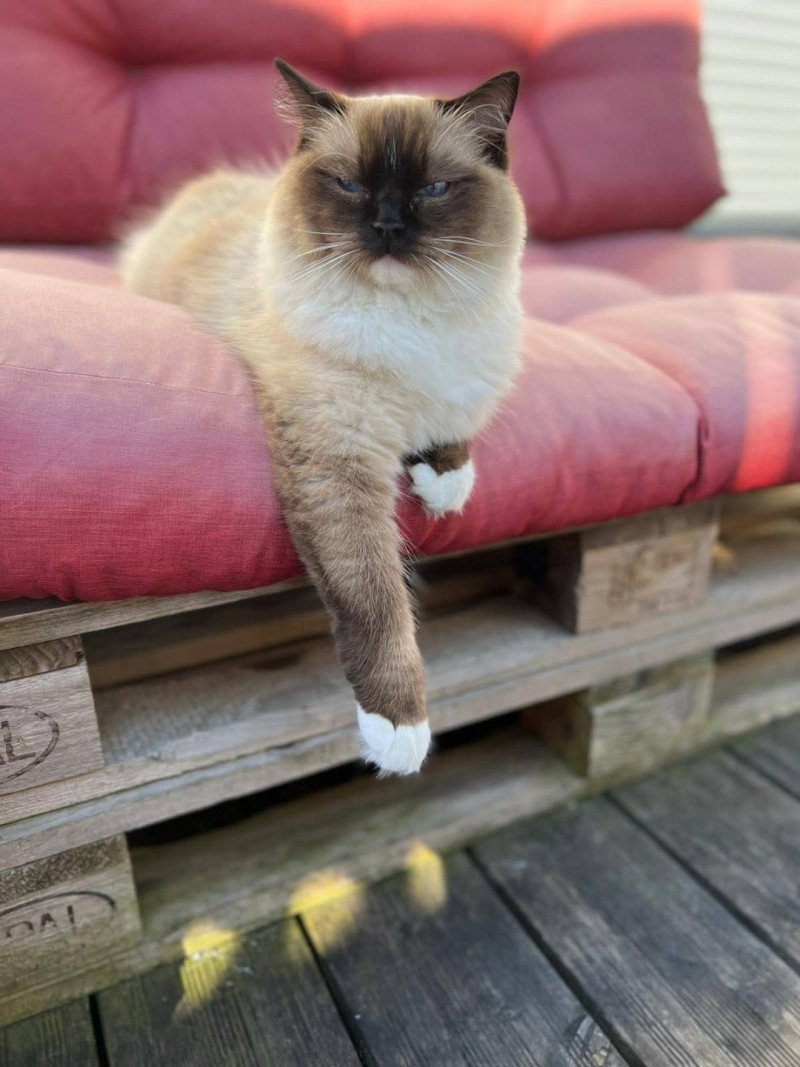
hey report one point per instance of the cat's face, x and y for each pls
(399, 190)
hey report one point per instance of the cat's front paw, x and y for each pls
(392, 749)
(444, 492)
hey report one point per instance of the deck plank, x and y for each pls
(62, 1037)
(671, 973)
(737, 831)
(776, 752)
(435, 970)
(258, 1000)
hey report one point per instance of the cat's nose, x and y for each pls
(388, 221)
(389, 227)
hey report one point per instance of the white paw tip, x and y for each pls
(443, 492)
(393, 749)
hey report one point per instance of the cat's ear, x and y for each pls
(488, 110)
(307, 103)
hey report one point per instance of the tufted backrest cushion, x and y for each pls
(107, 106)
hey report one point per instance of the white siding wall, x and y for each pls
(751, 81)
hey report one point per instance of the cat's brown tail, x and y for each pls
(338, 498)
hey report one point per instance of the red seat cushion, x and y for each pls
(133, 461)
(107, 106)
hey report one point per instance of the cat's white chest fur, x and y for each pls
(454, 363)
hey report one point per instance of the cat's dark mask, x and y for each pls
(419, 180)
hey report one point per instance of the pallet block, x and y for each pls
(64, 914)
(48, 725)
(625, 570)
(633, 724)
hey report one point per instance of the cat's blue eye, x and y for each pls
(435, 189)
(351, 187)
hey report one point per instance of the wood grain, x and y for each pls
(482, 659)
(23, 622)
(177, 642)
(61, 1037)
(252, 1001)
(48, 726)
(435, 970)
(248, 874)
(625, 570)
(63, 915)
(737, 831)
(776, 752)
(756, 686)
(37, 659)
(633, 724)
(674, 976)
(229, 729)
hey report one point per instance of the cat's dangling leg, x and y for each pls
(338, 497)
(442, 477)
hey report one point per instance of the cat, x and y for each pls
(372, 285)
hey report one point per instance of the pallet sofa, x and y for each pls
(601, 595)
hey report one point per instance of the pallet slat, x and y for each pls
(230, 727)
(756, 686)
(177, 642)
(23, 622)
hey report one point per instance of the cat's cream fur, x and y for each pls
(364, 360)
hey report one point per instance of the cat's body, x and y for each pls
(365, 357)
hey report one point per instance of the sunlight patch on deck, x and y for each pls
(210, 952)
(427, 877)
(341, 899)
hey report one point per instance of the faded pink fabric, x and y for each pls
(658, 369)
(107, 106)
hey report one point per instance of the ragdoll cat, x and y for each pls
(372, 286)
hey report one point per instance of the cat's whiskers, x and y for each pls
(443, 277)
(318, 250)
(340, 274)
(460, 239)
(320, 270)
(459, 278)
(483, 268)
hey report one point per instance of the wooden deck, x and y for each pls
(656, 925)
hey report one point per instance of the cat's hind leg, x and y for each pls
(442, 477)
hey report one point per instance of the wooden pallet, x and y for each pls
(118, 716)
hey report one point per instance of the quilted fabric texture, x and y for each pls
(658, 369)
(107, 106)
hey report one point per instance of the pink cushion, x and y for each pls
(109, 105)
(133, 462)
(737, 355)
